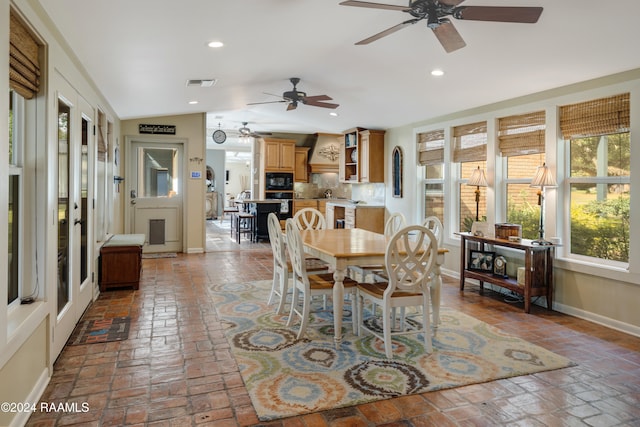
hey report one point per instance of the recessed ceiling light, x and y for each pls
(215, 44)
(333, 113)
(193, 102)
(437, 73)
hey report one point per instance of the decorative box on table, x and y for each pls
(506, 230)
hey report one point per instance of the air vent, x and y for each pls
(201, 82)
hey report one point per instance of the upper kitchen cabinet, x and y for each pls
(279, 154)
(362, 156)
(301, 172)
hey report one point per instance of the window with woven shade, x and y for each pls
(470, 151)
(598, 178)
(24, 65)
(521, 141)
(470, 142)
(431, 156)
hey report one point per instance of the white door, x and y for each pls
(155, 192)
(74, 143)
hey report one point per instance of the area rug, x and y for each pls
(100, 331)
(287, 377)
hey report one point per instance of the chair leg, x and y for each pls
(294, 303)
(283, 283)
(426, 324)
(275, 282)
(306, 302)
(386, 333)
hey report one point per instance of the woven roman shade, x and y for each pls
(470, 142)
(522, 134)
(102, 133)
(598, 117)
(24, 67)
(431, 148)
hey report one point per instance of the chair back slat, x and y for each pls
(410, 257)
(310, 219)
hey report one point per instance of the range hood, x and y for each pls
(326, 153)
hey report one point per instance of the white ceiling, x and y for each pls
(141, 53)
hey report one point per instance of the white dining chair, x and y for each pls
(282, 268)
(310, 219)
(394, 223)
(435, 226)
(305, 285)
(410, 257)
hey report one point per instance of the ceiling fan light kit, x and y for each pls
(436, 13)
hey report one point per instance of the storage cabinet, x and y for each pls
(538, 268)
(319, 204)
(279, 154)
(301, 172)
(368, 218)
(362, 156)
(121, 261)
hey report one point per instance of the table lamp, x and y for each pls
(478, 179)
(542, 179)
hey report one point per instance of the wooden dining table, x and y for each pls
(342, 247)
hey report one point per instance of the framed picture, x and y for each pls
(397, 171)
(481, 261)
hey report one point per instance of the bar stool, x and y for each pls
(245, 224)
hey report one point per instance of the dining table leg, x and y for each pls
(338, 303)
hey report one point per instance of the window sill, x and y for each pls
(23, 319)
(598, 270)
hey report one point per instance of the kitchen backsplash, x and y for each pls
(372, 194)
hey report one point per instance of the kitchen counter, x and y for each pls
(349, 203)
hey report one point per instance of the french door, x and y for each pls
(74, 288)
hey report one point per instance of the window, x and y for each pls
(470, 151)
(16, 115)
(521, 141)
(598, 179)
(431, 156)
(24, 83)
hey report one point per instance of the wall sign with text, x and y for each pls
(157, 129)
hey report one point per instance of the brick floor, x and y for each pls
(176, 368)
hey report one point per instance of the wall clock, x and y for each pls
(219, 136)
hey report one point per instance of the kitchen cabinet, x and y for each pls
(301, 171)
(362, 156)
(366, 217)
(319, 204)
(279, 154)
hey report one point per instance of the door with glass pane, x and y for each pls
(74, 290)
(155, 192)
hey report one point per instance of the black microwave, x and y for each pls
(279, 181)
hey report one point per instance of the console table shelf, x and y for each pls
(538, 264)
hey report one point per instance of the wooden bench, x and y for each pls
(121, 261)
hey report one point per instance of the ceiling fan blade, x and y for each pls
(526, 15)
(318, 98)
(319, 104)
(387, 32)
(449, 37)
(266, 102)
(374, 5)
(451, 2)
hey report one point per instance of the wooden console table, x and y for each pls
(538, 265)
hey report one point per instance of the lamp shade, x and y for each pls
(543, 177)
(477, 178)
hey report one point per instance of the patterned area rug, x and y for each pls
(100, 331)
(286, 377)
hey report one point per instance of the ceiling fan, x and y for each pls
(294, 96)
(244, 131)
(436, 12)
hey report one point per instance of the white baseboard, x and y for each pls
(21, 418)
